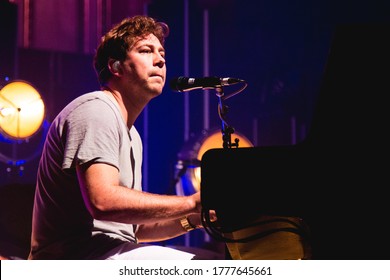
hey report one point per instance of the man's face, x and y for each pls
(144, 68)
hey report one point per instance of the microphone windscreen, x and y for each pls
(178, 83)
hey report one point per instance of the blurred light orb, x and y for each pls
(22, 110)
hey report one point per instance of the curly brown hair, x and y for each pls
(122, 37)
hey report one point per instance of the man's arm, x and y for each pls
(105, 199)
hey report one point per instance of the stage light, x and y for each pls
(22, 110)
(189, 159)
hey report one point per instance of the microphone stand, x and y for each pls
(211, 228)
(226, 129)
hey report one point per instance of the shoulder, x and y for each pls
(93, 101)
(90, 106)
(91, 111)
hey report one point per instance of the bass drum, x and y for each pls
(189, 158)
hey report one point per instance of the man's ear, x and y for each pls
(114, 66)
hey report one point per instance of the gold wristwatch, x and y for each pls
(185, 223)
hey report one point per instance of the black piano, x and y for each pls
(337, 179)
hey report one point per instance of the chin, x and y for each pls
(155, 92)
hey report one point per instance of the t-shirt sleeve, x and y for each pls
(91, 134)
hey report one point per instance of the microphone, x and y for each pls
(186, 83)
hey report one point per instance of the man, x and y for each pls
(89, 202)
